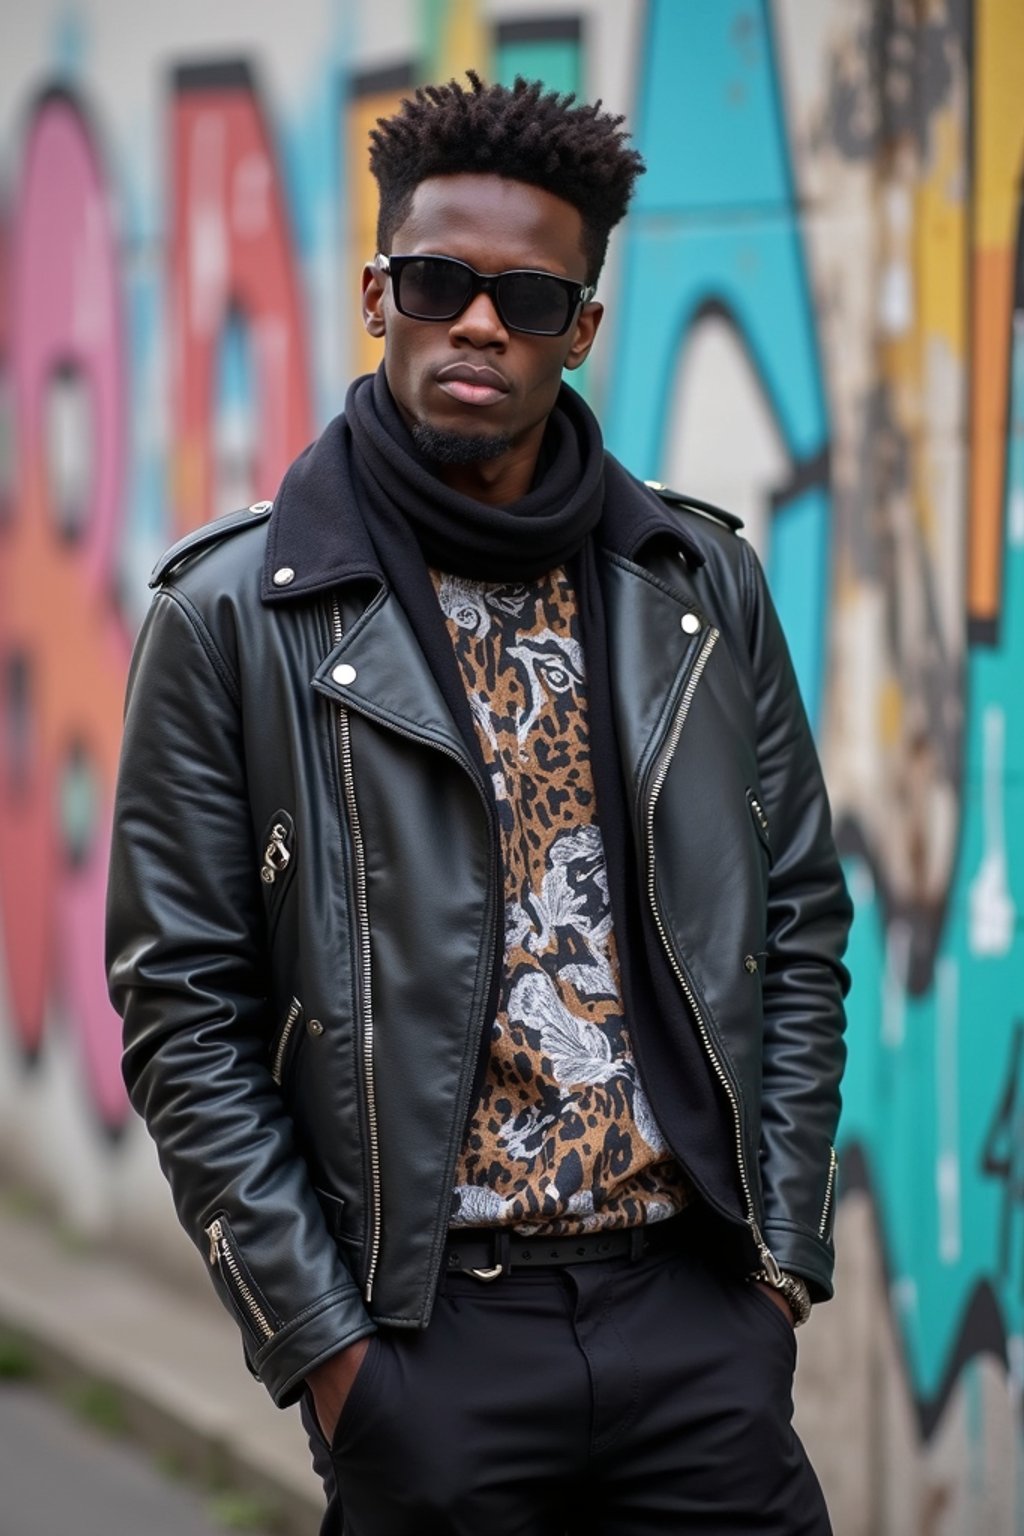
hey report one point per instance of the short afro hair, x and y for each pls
(525, 133)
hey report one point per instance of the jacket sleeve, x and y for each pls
(805, 982)
(187, 972)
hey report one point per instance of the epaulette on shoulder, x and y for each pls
(707, 508)
(210, 533)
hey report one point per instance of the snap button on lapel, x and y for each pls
(751, 964)
(690, 623)
(261, 506)
(283, 576)
(344, 673)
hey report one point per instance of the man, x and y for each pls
(474, 912)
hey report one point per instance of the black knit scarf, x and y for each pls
(414, 520)
(465, 537)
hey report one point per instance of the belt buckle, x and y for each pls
(501, 1252)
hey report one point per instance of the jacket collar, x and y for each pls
(317, 539)
(317, 533)
(635, 518)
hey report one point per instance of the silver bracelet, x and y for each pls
(793, 1288)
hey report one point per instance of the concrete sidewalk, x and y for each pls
(173, 1359)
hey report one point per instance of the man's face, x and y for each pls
(472, 378)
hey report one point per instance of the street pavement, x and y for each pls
(167, 1356)
(61, 1477)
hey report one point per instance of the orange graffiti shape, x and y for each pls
(60, 632)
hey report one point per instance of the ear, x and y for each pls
(583, 334)
(374, 284)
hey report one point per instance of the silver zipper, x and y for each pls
(365, 969)
(348, 778)
(222, 1254)
(833, 1169)
(276, 856)
(756, 807)
(277, 1067)
(770, 1263)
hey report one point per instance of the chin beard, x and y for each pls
(458, 447)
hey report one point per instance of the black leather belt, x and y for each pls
(487, 1253)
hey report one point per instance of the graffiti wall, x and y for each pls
(816, 317)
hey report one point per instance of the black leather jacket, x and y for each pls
(301, 910)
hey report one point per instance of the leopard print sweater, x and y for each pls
(563, 1139)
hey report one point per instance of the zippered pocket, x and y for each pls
(242, 1289)
(760, 820)
(281, 1048)
(277, 863)
(825, 1224)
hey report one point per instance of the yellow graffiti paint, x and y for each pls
(364, 109)
(998, 174)
(890, 714)
(941, 216)
(924, 311)
(457, 39)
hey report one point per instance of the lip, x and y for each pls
(472, 385)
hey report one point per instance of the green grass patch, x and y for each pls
(171, 1465)
(237, 1511)
(19, 1201)
(16, 1359)
(71, 1240)
(100, 1405)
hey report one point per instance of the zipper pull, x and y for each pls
(276, 855)
(769, 1262)
(215, 1231)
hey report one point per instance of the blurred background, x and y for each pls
(816, 318)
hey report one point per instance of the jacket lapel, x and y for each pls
(379, 670)
(654, 638)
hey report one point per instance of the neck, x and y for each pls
(469, 519)
(495, 482)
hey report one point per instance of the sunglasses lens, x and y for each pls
(532, 301)
(433, 289)
(439, 288)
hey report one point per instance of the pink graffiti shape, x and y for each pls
(60, 631)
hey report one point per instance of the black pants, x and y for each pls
(608, 1399)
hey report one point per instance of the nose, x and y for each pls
(480, 324)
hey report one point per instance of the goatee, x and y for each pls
(458, 447)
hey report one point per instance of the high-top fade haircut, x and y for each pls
(524, 133)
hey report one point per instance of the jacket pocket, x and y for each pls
(277, 863)
(247, 1301)
(340, 1221)
(760, 820)
(283, 1045)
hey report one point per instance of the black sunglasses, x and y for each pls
(440, 287)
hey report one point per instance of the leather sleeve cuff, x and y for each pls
(285, 1360)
